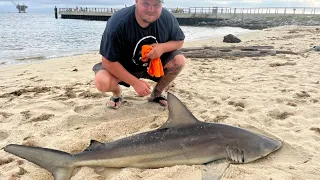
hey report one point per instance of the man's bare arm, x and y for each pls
(159, 49)
(172, 45)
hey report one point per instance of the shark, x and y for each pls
(181, 140)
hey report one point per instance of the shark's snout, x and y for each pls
(270, 145)
(263, 147)
(277, 145)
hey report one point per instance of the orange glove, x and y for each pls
(155, 65)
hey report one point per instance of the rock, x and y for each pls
(231, 39)
(202, 24)
(316, 48)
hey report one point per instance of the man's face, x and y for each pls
(148, 10)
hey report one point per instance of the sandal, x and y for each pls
(159, 99)
(116, 100)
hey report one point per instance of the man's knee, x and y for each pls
(177, 62)
(104, 81)
(100, 82)
(180, 60)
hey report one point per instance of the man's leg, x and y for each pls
(106, 82)
(171, 71)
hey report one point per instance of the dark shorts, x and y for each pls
(165, 58)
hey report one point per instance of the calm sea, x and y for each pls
(34, 37)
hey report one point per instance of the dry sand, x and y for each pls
(54, 104)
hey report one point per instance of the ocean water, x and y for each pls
(35, 37)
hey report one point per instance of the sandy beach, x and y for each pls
(54, 104)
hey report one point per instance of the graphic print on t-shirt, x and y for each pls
(137, 57)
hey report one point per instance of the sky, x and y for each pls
(46, 6)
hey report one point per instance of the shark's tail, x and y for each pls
(59, 163)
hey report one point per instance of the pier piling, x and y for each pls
(56, 12)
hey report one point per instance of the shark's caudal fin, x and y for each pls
(179, 115)
(57, 162)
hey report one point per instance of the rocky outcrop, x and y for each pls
(265, 22)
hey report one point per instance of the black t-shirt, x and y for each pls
(123, 37)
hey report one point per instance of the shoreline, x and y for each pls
(55, 104)
(44, 57)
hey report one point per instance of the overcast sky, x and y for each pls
(48, 5)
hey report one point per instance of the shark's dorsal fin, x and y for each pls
(93, 144)
(179, 115)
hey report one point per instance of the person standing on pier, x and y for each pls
(145, 23)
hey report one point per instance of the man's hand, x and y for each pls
(157, 51)
(142, 88)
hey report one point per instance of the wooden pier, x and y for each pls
(194, 15)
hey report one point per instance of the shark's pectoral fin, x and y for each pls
(215, 170)
(62, 174)
(179, 115)
(93, 145)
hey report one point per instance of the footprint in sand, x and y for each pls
(36, 79)
(83, 109)
(33, 78)
(4, 116)
(30, 142)
(26, 114)
(276, 64)
(5, 161)
(277, 114)
(69, 94)
(317, 130)
(22, 171)
(302, 94)
(88, 94)
(17, 173)
(238, 105)
(23, 91)
(42, 117)
(219, 118)
(3, 135)
(292, 104)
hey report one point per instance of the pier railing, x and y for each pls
(214, 10)
(259, 10)
(97, 10)
(196, 15)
